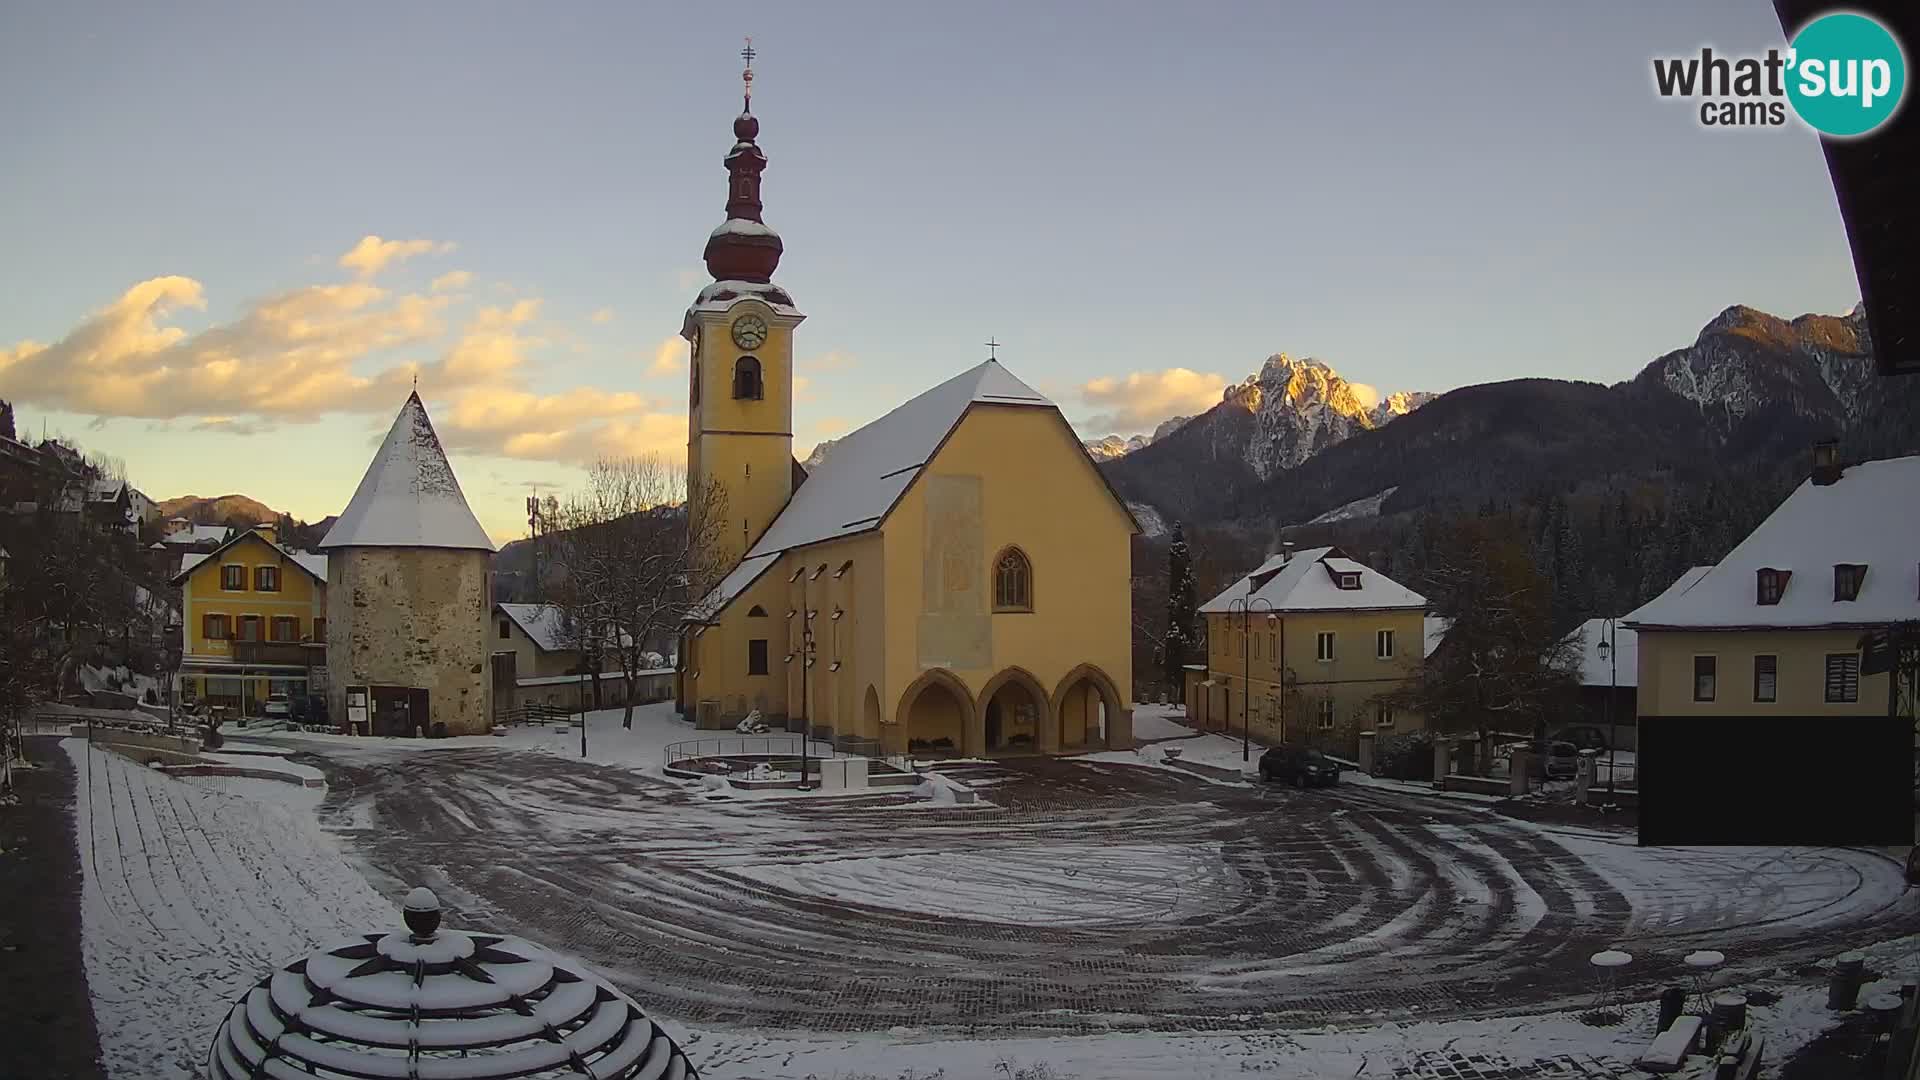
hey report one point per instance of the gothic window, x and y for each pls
(746, 379)
(756, 612)
(1012, 581)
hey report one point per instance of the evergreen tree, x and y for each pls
(1181, 637)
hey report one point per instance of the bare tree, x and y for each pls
(627, 555)
(1503, 663)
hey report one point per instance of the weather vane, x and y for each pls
(993, 349)
(746, 76)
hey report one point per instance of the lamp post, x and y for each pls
(806, 661)
(1246, 608)
(1610, 652)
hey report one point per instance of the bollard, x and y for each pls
(1844, 988)
(1673, 1002)
(1728, 1013)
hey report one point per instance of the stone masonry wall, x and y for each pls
(415, 617)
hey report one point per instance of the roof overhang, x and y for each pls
(1873, 184)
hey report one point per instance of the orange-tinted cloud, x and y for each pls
(1141, 400)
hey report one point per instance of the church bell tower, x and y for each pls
(740, 370)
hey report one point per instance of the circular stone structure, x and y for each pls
(427, 1002)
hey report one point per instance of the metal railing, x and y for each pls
(783, 746)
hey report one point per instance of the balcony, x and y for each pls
(280, 652)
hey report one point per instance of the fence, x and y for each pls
(533, 712)
(783, 746)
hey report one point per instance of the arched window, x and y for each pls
(746, 379)
(756, 612)
(1012, 581)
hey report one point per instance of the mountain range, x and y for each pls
(1293, 444)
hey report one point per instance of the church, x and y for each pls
(954, 579)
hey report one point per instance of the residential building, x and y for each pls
(1775, 628)
(1307, 648)
(1608, 676)
(253, 622)
(954, 578)
(411, 595)
(537, 662)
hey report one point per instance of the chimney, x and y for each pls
(268, 532)
(1286, 550)
(1826, 462)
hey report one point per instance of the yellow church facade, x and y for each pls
(953, 579)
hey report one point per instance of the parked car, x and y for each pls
(1301, 766)
(1563, 760)
(278, 707)
(1584, 736)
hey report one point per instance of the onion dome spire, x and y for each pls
(743, 248)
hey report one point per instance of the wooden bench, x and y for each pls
(1671, 1047)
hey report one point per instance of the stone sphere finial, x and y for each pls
(422, 912)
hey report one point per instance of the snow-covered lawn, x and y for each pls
(194, 889)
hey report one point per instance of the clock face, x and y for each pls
(749, 331)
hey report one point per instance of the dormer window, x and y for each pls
(1349, 581)
(1847, 579)
(1770, 585)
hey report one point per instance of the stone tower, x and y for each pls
(740, 381)
(409, 592)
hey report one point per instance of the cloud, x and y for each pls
(830, 361)
(669, 357)
(372, 254)
(228, 425)
(344, 348)
(1141, 400)
(602, 316)
(451, 280)
(1366, 394)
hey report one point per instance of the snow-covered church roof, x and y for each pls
(1306, 581)
(852, 490)
(1868, 517)
(409, 496)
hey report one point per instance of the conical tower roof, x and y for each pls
(409, 497)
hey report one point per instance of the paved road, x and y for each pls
(1088, 897)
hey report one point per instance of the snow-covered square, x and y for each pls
(1109, 915)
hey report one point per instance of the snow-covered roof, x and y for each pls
(1302, 583)
(196, 534)
(1620, 669)
(313, 563)
(409, 496)
(1435, 628)
(854, 488)
(1868, 517)
(722, 295)
(544, 625)
(742, 227)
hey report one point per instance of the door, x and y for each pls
(993, 725)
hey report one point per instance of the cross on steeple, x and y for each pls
(746, 75)
(993, 349)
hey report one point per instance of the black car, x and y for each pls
(1301, 766)
(1584, 736)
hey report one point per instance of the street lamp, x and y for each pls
(1611, 654)
(1246, 609)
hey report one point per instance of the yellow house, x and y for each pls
(954, 578)
(1303, 649)
(1774, 628)
(253, 622)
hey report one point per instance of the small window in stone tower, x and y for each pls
(746, 379)
(1012, 582)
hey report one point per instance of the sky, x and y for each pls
(234, 234)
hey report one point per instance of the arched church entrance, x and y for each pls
(1085, 708)
(933, 715)
(1014, 716)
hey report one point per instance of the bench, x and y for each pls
(1671, 1047)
